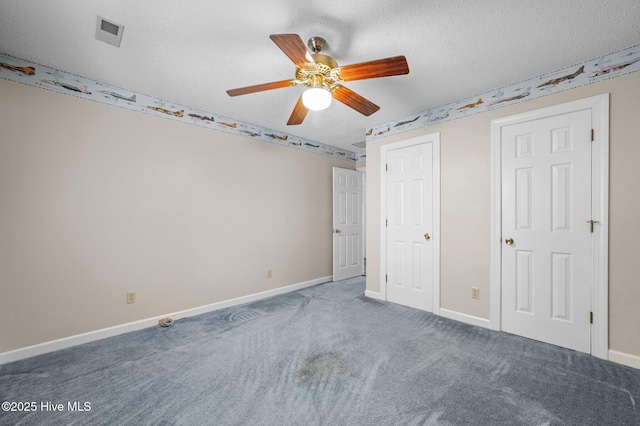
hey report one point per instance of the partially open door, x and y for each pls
(348, 223)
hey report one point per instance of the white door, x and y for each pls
(348, 224)
(546, 237)
(410, 226)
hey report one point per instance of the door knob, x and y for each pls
(337, 231)
(509, 241)
(427, 236)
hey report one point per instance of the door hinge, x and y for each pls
(386, 278)
(590, 317)
(591, 222)
(386, 167)
(386, 222)
(592, 135)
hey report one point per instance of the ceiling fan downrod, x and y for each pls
(316, 44)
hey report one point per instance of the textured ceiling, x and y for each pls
(191, 51)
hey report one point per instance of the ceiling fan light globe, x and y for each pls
(316, 98)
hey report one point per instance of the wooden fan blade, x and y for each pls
(355, 101)
(261, 87)
(299, 113)
(293, 46)
(374, 69)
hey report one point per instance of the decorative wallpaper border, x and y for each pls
(612, 65)
(615, 64)
(43, 77)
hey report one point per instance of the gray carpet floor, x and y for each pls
(325, 355)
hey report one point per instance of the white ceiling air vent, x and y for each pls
(109, 31)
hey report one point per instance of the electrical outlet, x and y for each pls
(131, 297)
(269, 273)
(475, 293)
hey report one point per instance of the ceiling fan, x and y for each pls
(324, 78)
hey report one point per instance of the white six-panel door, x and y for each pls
(546, 238)
(410, 226)
(348, 224)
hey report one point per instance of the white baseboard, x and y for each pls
(469, 319)
(373, 294)
(90, 336)
(624, 359)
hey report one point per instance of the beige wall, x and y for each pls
(96, 201)
(465, 206)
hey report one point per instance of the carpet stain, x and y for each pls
(322, 369)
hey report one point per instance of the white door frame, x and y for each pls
(599, 106)
(433, 138)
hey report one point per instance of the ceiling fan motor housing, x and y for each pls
(325, 73)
